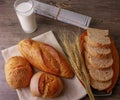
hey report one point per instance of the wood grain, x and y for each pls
(105, 15)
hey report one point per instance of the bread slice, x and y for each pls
(99, 63)
(100, 74)
(98, 37)
(97, 51)
(100, 85)
(98, 41)
(98, 32)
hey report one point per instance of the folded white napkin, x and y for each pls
(73, 89)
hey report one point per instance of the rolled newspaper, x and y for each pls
(63, 15)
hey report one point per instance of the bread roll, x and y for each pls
(18, 72)
(45, 85)
(45, 58)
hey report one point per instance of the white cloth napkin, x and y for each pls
(73, 89)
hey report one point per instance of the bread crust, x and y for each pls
(45, 58)
(18, 72)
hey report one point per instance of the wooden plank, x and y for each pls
(105, 14)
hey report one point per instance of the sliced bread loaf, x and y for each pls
(98, 62)
(97, 51)
(98, 58)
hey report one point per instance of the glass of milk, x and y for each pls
(25, 12)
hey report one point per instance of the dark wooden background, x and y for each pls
(105, 15)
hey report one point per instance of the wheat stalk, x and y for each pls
(74, 53)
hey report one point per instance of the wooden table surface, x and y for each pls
(105, 15)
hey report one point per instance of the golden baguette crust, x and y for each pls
(18, 72)
(46, 85)
(45, 58)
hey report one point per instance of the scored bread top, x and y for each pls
(46, 58)
(97, 51)
(98, 62)
(45, 85)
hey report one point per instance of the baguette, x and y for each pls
(45, 58)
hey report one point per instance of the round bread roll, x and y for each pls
(18, 72)
(45, 85)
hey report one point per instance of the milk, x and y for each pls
(25, 13)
